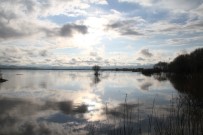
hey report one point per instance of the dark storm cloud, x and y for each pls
(69, 29)
(146, 53)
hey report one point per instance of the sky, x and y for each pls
(68, 33)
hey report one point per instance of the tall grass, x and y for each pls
(185, 117)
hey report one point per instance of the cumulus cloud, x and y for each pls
(172, 4)
(127, 27)
(27, 29)
(141, 2)
(8, 32)
(140, 59)
(102, 2)
(43, 53)
(151, 56)
(146, 53)
(196, 25)
(93, 54)
(23, 18)
(68, 29)
(25, 56)
(33, 24)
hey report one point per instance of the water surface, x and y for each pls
(61, 101)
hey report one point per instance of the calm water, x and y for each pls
(61, 102)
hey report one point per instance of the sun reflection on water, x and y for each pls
(74, 101)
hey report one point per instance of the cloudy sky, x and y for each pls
(103, 32)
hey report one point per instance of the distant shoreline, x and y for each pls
(88, 69)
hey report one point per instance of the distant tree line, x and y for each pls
(184, 63)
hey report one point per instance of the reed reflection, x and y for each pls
(190, 84)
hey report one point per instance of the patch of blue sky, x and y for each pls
(190, 34)
(191, 45)
(133, 9)
(180, 19)
(122, 7)
(151, 41)
(178, 39)
(63, 19)
(150, 15)
(161, 42)
(187, 36)
(123, 45)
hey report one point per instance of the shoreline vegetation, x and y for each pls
(185, 112)
(184, 64)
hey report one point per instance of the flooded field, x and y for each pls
(78, 102)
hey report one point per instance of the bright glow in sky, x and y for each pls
(103, 32)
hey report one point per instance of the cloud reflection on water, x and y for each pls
(23, 116)
(73, 98)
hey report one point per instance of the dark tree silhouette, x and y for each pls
(185, 63)
(96, 69)
(180, 64)
(161, 65)
(188, 63)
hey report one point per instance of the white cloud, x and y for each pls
(26, 24)
(179, 5)
(141, 2)
(102, 2)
